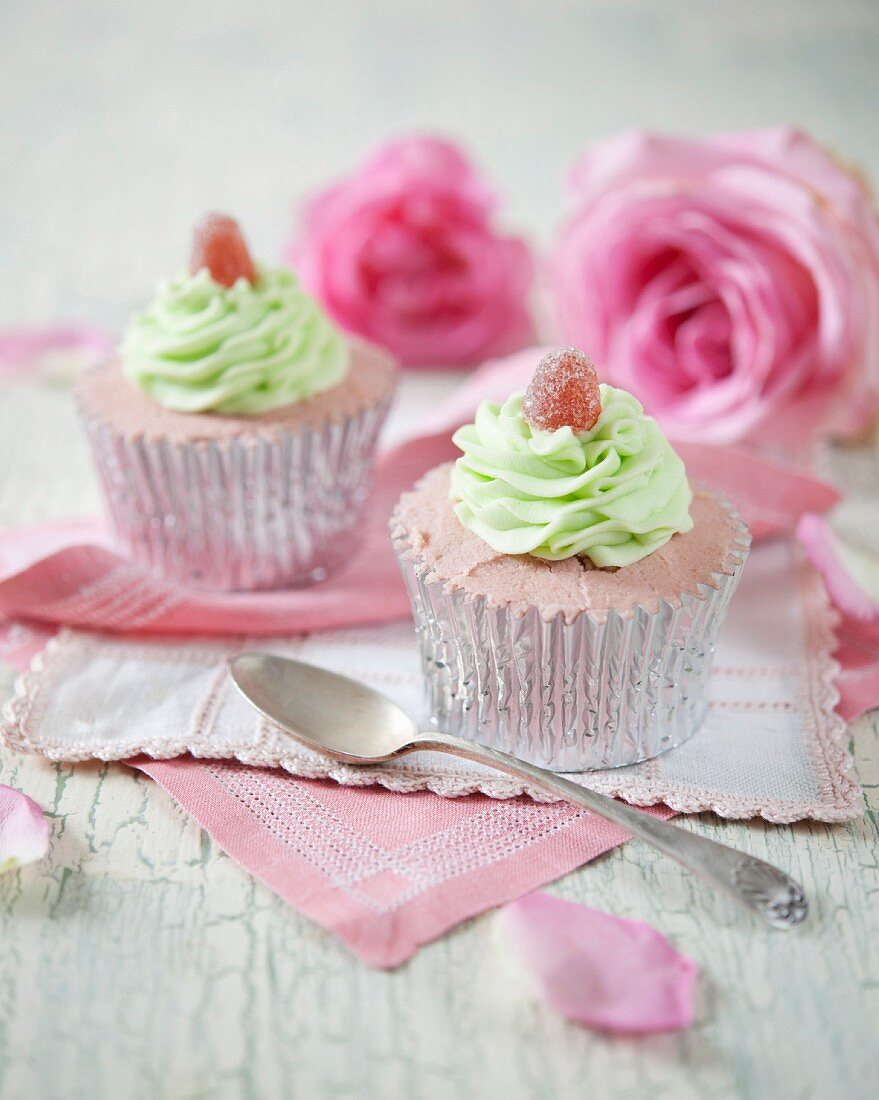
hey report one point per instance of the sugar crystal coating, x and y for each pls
(563, 393)
(219, 246)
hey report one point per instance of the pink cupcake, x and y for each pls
(234, 435)
(567, 583)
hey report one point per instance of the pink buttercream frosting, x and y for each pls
(105, 394)
(424, 519)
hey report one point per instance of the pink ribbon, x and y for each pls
(69, 573)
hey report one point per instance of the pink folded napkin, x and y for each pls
(384, 872)
(68, 572)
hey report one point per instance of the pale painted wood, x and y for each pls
(138, 962)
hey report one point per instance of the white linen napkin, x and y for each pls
(771, 746)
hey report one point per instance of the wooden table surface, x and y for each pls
(138, 961)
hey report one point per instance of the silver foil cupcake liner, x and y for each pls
(236, 515)
(598, 692)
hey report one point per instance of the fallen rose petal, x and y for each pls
(851, 575)
(24, 830)
(56, 353)
(605, 972)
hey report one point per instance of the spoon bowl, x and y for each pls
(324, 711)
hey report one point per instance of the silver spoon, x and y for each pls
(350, 722)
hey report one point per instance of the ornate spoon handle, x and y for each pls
(759, 886)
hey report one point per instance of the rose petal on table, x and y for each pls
(52, 353)
(850, 574)
(24, 830)
(607, 973)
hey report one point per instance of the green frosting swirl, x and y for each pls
(613, 494)
(243, 349)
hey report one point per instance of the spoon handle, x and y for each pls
(758, 886)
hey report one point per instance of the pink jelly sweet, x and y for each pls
(563, 393)
(219, 246)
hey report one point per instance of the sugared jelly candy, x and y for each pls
(563, 393)
(219, 246)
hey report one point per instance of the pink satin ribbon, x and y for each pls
(69, 573)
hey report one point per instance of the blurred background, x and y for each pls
(121, 122)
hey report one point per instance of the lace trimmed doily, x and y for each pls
(772, 745)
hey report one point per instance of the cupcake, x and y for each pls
(234, 434)
(567, 582)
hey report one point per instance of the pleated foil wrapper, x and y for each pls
(598, 692)
(237, 515)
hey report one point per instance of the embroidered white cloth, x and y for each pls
(771, 746)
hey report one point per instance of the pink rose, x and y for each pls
(404, 253)
(732, 284)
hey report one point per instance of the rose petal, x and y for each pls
(851, 574)
(24, 830)
(602, 971)
(56, 353)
